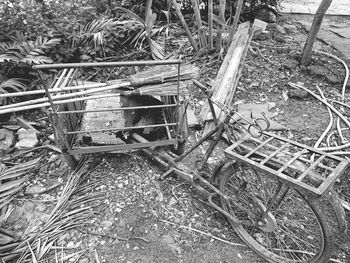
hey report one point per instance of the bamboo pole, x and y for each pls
(210, 24)
(235, 21)
(184, 24)
(54, 90)
(107, 64)
(64, 96)
(201, 32)
(222, 17)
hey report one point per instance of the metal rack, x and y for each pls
(303, 167)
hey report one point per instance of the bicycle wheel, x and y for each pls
(293, 230)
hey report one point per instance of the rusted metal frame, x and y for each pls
(272, 173)
(121, 129)
(177, 128)
(333, 176)
(292, 160)
(120, 147)
(270, 156)
(166, 122)
(212, 145)
(228, 215)
(302, 158)
(121, 108)
(241, 157)
(107, 64)
(312, 166)
(272, 200)
(313, 150)
(264, 143)
(206, 137)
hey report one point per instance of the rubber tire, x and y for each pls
(323, 257)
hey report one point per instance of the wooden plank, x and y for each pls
(204, 114)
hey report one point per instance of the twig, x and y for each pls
(50, 147)
(203, 233)
(113, 237)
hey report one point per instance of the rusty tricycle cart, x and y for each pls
(268, 187)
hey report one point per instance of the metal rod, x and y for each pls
(116, 109)
(107, 64)
(122, 129)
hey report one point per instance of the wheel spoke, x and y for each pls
(290, 228)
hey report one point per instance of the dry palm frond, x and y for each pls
(162, 89)
(12, 179)
(160, 74)
(71, 211)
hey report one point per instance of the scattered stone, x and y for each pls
(290, 64)
(280, 39)
(84, 260)
(27, 139)
(332, 79)
(318, 70)
(297, 94)
(7, 139)
(51, 137)
(191, 118)
(35, 189)
(290, 28)
(279, 29)
(53, 158)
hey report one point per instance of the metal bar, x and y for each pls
(121, 129)
(313, 150)
(302, 158)
(333, 176)
(107, 64)
(312, 166)
(259, 147)
(122, 108)
(198, 143)
(296, 156)
(166, 122)
(270, 156)
(119, 147)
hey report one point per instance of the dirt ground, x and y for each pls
(141, 219)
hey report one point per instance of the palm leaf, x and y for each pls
(14, 84)
(131, 14)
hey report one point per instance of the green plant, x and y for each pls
(31, 51)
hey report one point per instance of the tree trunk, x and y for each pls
(316, 24)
